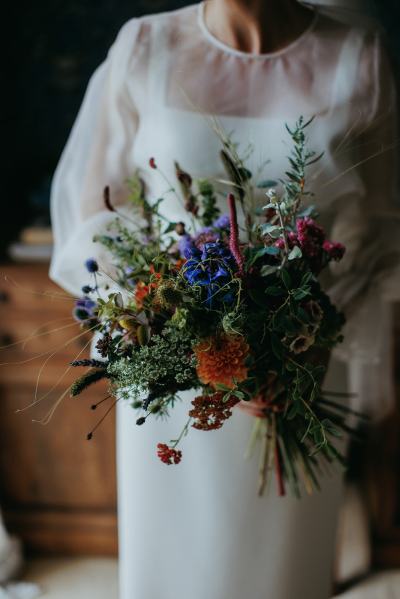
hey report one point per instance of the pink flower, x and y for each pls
(292, 241)
(334, 250)
(311, 237)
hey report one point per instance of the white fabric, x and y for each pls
(354, 555)
(199, 530)
(10, 566)
(10, 554)
(385, 585)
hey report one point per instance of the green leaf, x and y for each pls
(316, 159)
(257, 295)
(275, 291)
(286, 278)
(303, 315)
(267, 228)
(293, 411)
(268, 269)
(299, 294)
(276, 346)
(245, 174)
(267, 183)
(306, 278)
(267, 251)
(295, 253)
(170, 228)
(221, 387)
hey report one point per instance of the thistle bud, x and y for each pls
(180, 228)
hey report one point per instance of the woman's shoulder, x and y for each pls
(341, 28)
(357, 46)
(142, 29)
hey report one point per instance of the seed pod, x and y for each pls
(128, 323)
(143, 334)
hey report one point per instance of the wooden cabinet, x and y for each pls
(58, 490)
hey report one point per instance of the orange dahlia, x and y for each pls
(221, 360)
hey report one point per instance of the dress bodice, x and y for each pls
(168, 83)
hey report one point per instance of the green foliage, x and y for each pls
(209, 202)
(165, 363)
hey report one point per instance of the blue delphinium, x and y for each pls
(205, 235)
(212, 268)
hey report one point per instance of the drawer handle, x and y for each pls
(6, 339)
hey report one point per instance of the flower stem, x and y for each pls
(278, 471)
(234, 235)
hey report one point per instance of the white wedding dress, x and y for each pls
(199, 530)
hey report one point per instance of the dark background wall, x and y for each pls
(51, 49)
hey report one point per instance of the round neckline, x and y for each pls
(234, 52)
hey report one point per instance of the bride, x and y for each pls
(200, 531)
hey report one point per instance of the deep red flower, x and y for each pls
(168, 455)
(210, 411)
(334, 250)
(311, 237)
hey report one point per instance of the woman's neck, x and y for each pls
(256, 26)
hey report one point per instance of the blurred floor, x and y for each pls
(74, 578)
(87, 578)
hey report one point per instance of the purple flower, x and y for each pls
(222, 222)
(204, 236)
(185, 245)
(92, 265)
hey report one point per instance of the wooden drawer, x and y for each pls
(58, 489)
(27, 287)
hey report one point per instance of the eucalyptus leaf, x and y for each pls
(268, 269)
(295, 253)
(286, 278)
(300, 294)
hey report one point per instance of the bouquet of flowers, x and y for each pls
(233, 311)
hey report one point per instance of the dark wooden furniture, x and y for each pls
(57, 489)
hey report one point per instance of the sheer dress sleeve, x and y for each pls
(368, 282)
(98, 153)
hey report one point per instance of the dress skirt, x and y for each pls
(198, 530)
